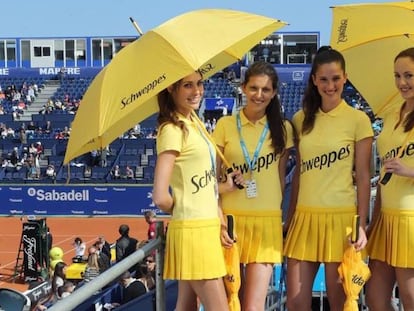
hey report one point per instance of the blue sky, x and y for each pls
(54, 18)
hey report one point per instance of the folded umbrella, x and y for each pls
(354, 273)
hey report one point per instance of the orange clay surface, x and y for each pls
(64, 230)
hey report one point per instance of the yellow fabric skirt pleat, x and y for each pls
(392, 238)
(259, 238)
(319, 234)
(193, 250)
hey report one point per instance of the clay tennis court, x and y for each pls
(64, 230)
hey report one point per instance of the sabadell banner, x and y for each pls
(59, 200)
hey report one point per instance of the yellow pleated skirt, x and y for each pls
(193, 250)
(319, 234)
(392, 238)
(259, 238)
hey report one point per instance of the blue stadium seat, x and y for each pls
(12, 300)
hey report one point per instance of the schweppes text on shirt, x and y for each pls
(325, 160)
(146, 89)
(202, 181)
(409, 151)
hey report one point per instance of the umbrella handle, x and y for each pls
(230, 226)
(221, 155)
(230, 170)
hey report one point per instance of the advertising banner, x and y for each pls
(66, 200)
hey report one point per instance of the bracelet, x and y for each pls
(223, 227)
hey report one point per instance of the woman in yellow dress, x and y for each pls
(391, 241)
(334, 140)
(185, 186)
(255, 142)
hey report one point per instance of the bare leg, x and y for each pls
(212, 294)
(379, 286)
(405, 280)
(187, 298)
(255, 288)
(334, 288)
(300, 276)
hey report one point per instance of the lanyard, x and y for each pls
(251, 162)
(210, 149)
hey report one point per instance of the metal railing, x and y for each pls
(113, 273)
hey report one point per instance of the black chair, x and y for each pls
(12, 300)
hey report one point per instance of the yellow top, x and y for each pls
(399, 191)
(265, 173)
(193, 179)
(327, 156)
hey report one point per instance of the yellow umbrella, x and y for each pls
(370, 35)
(232, 280)
(124, 92)
(354, 273)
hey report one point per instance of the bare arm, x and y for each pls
(226, 186)
(376, 211)
(363, 150)
(282, 169)
(162, 177)
(396, 166)
(293, 194)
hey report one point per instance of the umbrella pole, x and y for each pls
(221, 155)
(136, 26)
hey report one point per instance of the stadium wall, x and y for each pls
(76, 200)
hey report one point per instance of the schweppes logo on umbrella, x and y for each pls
(146, 89)
(342, 36)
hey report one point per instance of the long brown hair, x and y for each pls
(312, 100)
(409, 120)
(167, 110)
(273, 110)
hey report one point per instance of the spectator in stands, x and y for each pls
(32, 172)
(103, 155)
(144, 273)
(150, 265)
(103, 259)
(150, 218)
(129, 172)
(116, 172)
(257, 209)
(194, 210)
(93, 158)
(93, 269)
(23, 137)
(61, 74)
(105, 246)
(58, 280)
(125, 245)
(47, 128)
(32, 149)
(15, 156)
(59, 277)
(133, 288)
(67, 289)
(39, 148)
(87, 172)
(324, 199)
(50, 171)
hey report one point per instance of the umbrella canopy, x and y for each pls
(354, 273)
(124, 92)
(370, 35)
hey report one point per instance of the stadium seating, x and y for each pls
(138, 153)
